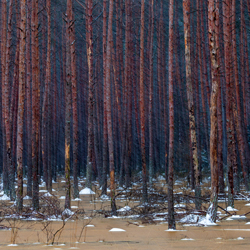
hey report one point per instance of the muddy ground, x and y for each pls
(92, 230)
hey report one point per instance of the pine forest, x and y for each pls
(125, 96)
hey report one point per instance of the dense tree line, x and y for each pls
(93, 87)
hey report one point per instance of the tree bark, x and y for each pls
(192, 130)
(213, 21)
(150, 111)
(21, 98)
(5, 97)
(171, 219)
(105, 129)
(142, 105)
(227, 27)
(68, 107)
(237, 108)
(108, 107)
(89, 36)
(35, 103)
(45, 119)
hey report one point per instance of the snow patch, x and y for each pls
(191, 218)
(237, 217)
(240, 238)
(27, 197)
(48, 195)
(231, 209)
(117, 230)
(67, 212)
(174, 230)
(43, 191)
(76, 199)
(179, 206)
(104, 197)
(86, 191)
(206, 221)
(43, 184)
(5, 198)
(124, 209)
(197, 220)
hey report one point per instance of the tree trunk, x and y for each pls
(227, 27)
(192, 130)
(5, 96)
(35, 103)
(105, 129)
(150, 112)
(45, 119)
(28, 101)
(74, 98)
(89, 36)
(171, 219)
(237, 108)
(213, 22)
(21, 98)
(142, 105)
(108, 107)
(68, 107)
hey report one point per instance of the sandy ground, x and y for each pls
(233, 234)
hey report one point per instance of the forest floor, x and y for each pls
(136, 226)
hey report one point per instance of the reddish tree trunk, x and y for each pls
(237, 108)
(89, 36)
(35, 102)
(45, 119)
(171, 219)
(21, 98)
(192, 129)
(142, 105)
(28, 101)
(150, 111)
(108, 109)
(213, 21)
(229, 111)
(105, 129)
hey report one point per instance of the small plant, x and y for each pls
(50, 231)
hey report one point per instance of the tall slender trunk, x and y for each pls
(213, 22)
(192, 130)
(127, 96)
(142, 105)
(45, 119)
(21, 98)
(171, 219)
(35, 102)
(5, 95)
(227, 27)
(105, 129)
(68, 103)
(108, 107)
(74, 100)
(28, 100)
(205, 86)
(89, 36)
(150, 111)
(10, 163)
(237, 108)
